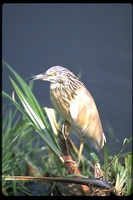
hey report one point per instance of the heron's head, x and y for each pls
(55, 74)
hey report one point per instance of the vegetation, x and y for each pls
(30, 148)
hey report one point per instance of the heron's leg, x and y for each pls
(81, 148)
(65, 129)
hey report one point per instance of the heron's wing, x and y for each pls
(82, 107)
(85, 117)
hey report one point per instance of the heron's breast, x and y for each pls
(59, 102)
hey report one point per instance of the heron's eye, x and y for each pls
(53, 74)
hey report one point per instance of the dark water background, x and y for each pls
(95, 39)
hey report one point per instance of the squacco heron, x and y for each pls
(71, 99)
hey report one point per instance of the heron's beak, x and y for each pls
(38, 77)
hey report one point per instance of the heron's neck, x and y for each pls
(54, 85)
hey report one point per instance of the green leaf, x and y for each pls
(32, 111)
(92, 154)
(105, 160)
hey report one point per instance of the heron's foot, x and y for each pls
(73, 166)
(71, 161)
(76, 163)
